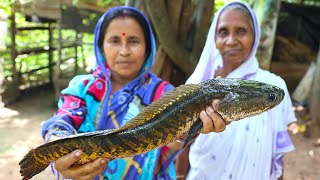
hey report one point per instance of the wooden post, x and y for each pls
(59, 48)
(57, 78)
(59, 44)
(76, 54)
(1, 81)
(84, 63)
(3, 35)
(315, 93)
(50, 54)
(14, 89)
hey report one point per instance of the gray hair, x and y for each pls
(242, 8)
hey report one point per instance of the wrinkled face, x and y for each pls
(124, 48)
(234, 36)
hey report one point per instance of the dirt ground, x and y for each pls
(20, 131)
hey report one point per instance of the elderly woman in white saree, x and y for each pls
(252, 148)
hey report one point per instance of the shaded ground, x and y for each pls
(20, 131)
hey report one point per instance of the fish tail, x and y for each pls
(29, 166)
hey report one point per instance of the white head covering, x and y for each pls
(210, 59)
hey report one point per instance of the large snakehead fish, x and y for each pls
(175, 114)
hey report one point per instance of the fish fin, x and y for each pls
(29, 166)
(168, 99)
(195, 128)
(85, 134)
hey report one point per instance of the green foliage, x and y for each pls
(39, 39)
(219, 3)
(100, 2)
(108, 2)
(5, 5)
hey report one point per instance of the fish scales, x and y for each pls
(162, 122)
(153, 132)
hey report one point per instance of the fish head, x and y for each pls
(245, 98)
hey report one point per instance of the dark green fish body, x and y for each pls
(162, 122)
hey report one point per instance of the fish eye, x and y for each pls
(272, 97)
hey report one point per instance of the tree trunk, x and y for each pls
(315, 93)
(202, 16)
(135, 3)
(130, 3)
(168, 38)
(163, 65)
(302, 92)
(181, 27)
(268, 18)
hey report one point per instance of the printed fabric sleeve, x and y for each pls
(71, 112)
(162, 88)
(168, 87)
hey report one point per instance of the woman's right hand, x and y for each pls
(67, 167)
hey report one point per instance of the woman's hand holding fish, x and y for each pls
(66, 166)
(212, 121)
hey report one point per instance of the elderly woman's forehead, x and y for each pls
(240, 8)
(236, 6)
